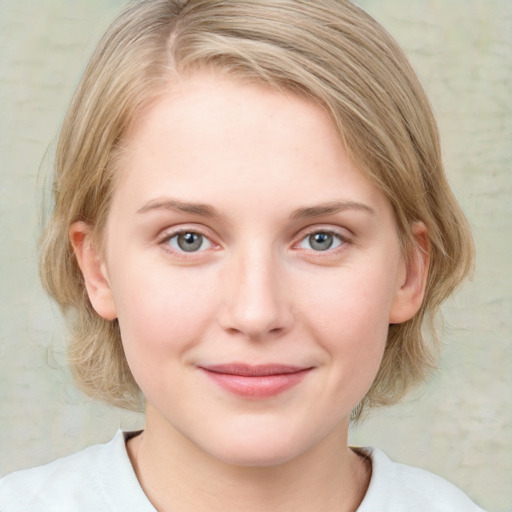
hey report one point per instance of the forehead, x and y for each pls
(210, 133)
(208, 105)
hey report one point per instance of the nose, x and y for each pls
(256, 301)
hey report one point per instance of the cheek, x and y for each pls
(349, 314)
(351, 301)
(161, 313)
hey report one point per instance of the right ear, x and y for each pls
(93, 269)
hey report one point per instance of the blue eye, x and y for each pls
(189, 241)
(321, 241)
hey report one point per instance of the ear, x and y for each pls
(409, 296)
(93, 269)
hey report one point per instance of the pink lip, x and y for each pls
(259, 381)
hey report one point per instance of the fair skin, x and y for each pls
(254, 272)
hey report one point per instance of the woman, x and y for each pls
(251, 225)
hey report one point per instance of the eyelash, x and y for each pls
(342, 239)
(168, 237)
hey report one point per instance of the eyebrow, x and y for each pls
(205, 210)
(200, 209)
(330, 208)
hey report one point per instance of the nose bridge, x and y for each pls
(256, 305)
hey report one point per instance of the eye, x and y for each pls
(188, 241)
(321, 241)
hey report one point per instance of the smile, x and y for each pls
(260, 381)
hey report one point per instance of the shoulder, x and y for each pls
(58, 485)
(97, 478)
(399, 488)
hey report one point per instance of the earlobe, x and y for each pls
(409, 296)
(93, 270)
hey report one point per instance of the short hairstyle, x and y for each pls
(330, 51)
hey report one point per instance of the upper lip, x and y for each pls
(249, 370)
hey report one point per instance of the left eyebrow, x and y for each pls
(329, 209)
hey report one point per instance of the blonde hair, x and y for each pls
(328, 50)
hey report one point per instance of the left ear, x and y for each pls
(409, 296)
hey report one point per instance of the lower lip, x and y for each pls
(264, 386)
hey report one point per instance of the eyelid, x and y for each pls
(173, 242)
(167, 234)
(339, 233)
(343, 234)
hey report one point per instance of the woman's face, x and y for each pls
(254, 271)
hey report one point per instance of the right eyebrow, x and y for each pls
(201, 209)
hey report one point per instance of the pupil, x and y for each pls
(190, 241)
(321, 241)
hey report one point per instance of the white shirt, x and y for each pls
(101, 479)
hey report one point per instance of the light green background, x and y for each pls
(460, 424)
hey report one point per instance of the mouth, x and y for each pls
(255, 381)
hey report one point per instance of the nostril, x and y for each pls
(255, 334)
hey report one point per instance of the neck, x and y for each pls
(177, 475)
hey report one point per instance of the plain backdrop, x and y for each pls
(459, 424)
